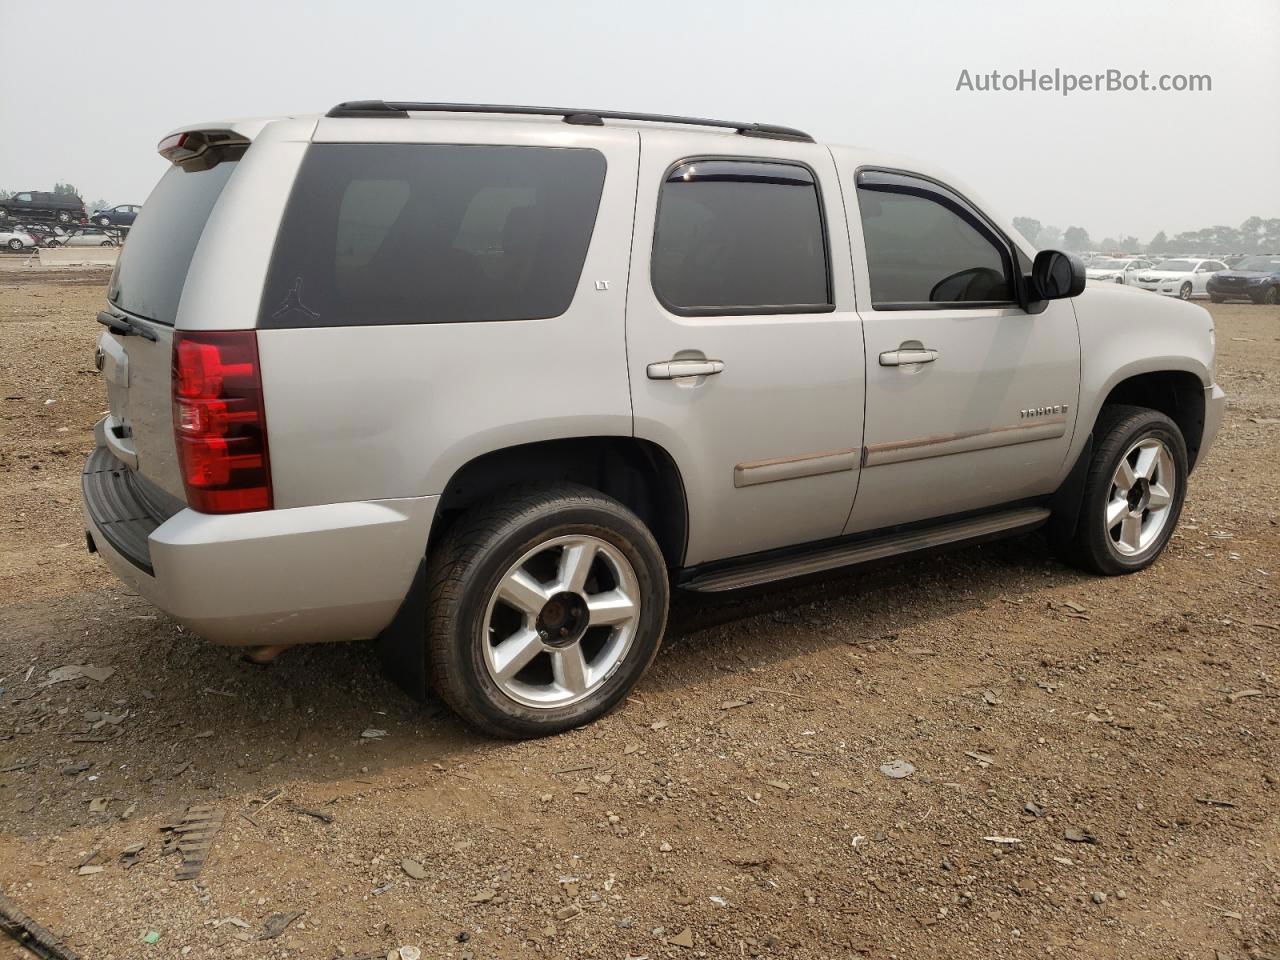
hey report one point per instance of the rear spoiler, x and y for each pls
(201, 149)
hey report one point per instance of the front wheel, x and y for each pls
(104, 221)
(545, 608)
(1184, 292)
(15, 244)
(1272, 296)
(1133, 492)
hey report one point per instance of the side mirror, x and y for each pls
(1056, 275)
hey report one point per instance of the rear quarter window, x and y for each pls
(432, 233)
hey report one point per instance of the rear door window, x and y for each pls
(740, 237)
(432, 233)
(153, 265)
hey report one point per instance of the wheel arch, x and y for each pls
(638, 473)
(1178, 394)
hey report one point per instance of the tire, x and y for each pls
(1271, 297)
(1128, 432)
(4, 214)
(64, 217)
(15, 244)
(104, 221)
(529, 537)
(106, 243)
(1184, 292)
(52, 244)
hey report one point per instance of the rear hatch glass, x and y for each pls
(147, 285)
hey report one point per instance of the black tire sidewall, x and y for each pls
(464, 633)
(1118, 441)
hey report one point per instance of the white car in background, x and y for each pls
(1116, 269)
(1183, 278)
(16, 240)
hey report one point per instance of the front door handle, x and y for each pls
(671, 369)
(905, 355)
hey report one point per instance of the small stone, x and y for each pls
(682, 939)
(664, 847)
(86, 871)
(410, 953)
(413, 868)
(545, 798)
(484, 896)
(897, 769)
(569, 912)
(373, 733)
(80, 766)
(1078, 835)
(1121, 895)
(1098, 897)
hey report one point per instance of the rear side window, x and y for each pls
(432, 233)
(153, 265)
(926, 245)
(740, 237)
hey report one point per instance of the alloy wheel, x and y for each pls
(1141, 498)
(561, 621)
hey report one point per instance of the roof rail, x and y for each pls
(593, 118)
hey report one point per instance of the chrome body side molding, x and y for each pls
(922, 448)
(793, 468)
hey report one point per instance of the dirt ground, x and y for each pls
(1123, 731)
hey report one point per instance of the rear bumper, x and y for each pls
(335, 571)
(1215, 405)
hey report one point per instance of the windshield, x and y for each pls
(1109, 264)
(1175, 266)
(1262, 264)
(153, 265)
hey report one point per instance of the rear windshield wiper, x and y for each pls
(124, 326)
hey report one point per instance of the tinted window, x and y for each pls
(740, 236)
(432, 233)
(153, 265)
(926, 245)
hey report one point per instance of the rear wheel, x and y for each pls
(1184, 292)
(15, 244)
(52, 243)
(545, 608)
(106, 243)
(1272, 296)
(1133, 492)
(64, 217)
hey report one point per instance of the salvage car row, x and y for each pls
(1253, 278)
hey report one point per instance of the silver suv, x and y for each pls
(488, 382)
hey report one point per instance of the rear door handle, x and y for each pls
(901, 357)
(672, 369)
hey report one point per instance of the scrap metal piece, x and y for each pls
(31, 935)
(193, 838)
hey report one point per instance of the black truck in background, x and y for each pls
(38, 205)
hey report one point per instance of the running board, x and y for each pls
(847, 554)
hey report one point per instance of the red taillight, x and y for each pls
(219, 424)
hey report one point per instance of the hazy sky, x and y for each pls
(876, 74)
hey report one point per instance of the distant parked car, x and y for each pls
(1255, 278)
(1115, 269)
(121, 215)
(82, 238)
(36, 205)
(16, 240)
(1183, 278)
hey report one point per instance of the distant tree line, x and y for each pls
(1255, 235)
